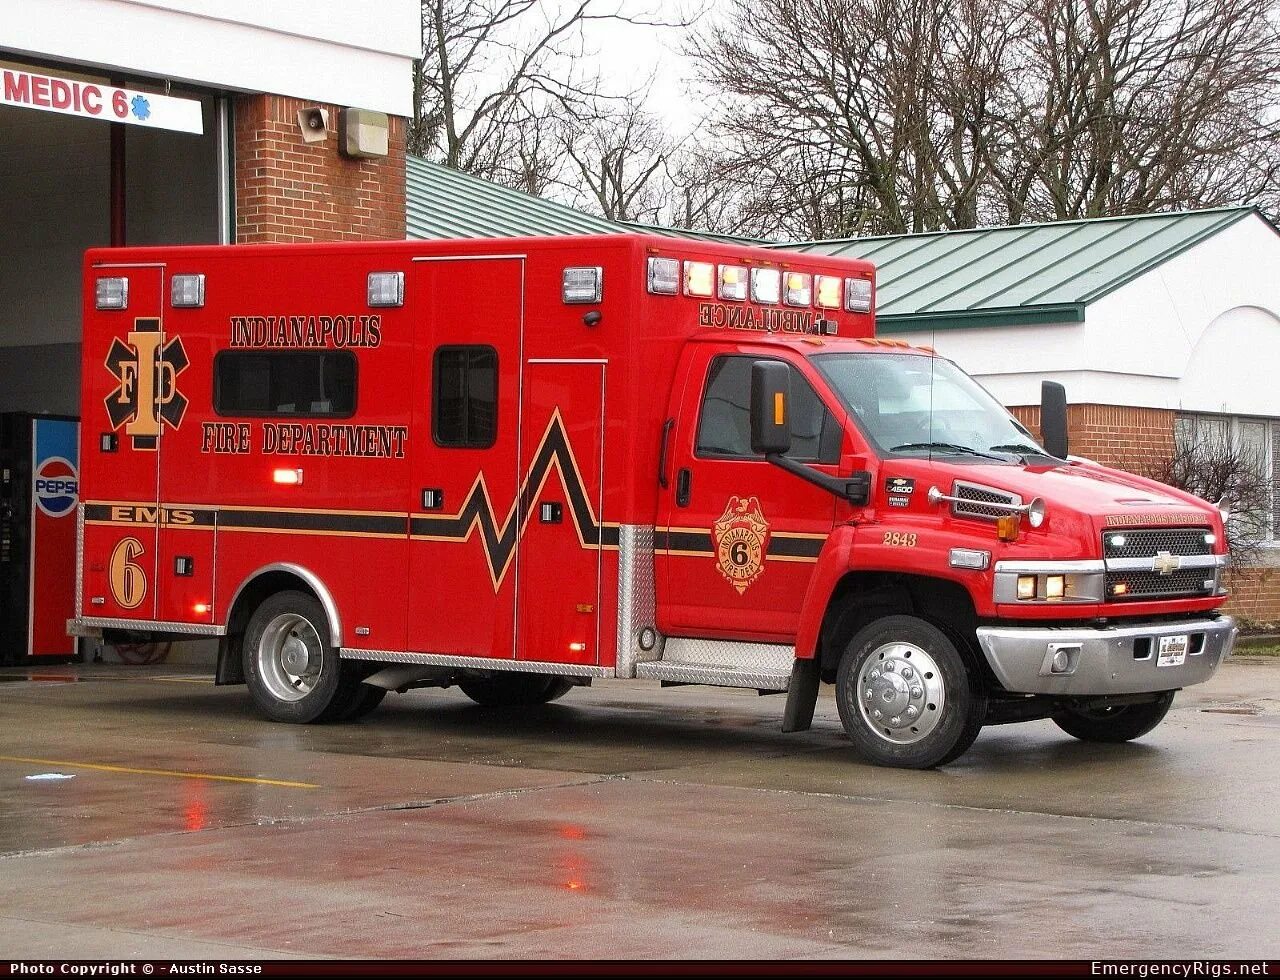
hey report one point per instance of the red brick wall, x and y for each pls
(1126, 438)
(1113, 435)
(291, 191)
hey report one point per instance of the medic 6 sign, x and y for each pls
(92, 100)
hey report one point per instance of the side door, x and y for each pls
(739, 537)
(559, 565)
(124, 417)
(465, 474)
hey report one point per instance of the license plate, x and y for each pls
(1172, 651)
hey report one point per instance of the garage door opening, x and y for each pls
(56, 193)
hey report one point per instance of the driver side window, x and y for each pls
(724, 420)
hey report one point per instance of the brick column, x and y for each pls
(291, 191)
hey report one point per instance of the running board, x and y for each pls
(715, 675)
(721, 663)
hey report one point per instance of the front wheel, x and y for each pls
(1116, 723)
(906, 697)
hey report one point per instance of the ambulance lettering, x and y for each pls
(147, 397)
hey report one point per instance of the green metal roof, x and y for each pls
(701, 236)
(1019, 274)
(444, 203)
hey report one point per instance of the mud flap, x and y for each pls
(802, 694)
(230, 665)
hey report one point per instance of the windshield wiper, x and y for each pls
(1021, 448)
(952, 447)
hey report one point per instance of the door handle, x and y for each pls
(684, 483)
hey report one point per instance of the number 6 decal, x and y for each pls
(128, 580)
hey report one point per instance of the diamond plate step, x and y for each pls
(715, 675)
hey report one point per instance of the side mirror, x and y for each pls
(1053, 418)
(770, 408)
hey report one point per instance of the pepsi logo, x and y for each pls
(56, 487)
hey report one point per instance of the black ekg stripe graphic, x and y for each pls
(499, 544)
(701, 543)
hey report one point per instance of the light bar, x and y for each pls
(766, 285)
(582, 284)
(699, 279)
(857, 295)
(112, 293)
(799, 289)
(186, 291)
(386, 289)
(664, 276)
(733, 282)
(828, 291)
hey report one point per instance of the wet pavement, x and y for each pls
(623, 821)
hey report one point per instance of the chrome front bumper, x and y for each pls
(1103, 660)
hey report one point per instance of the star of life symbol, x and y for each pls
(741, 536)
(147, 397)
(140, 106)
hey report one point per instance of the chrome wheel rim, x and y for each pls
(900, 693)
(290, 657)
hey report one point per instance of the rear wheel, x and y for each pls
(291, 667)
(906, 697)
(1116, 723)
(366, 699)
(512, 689)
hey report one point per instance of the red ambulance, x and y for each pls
(519, 465)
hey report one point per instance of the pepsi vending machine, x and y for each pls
(39, 491)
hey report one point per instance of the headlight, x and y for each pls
(1049, 582)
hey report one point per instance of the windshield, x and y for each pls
(913, 405)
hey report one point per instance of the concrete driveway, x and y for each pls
(623, 821)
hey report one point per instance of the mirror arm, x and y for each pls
(855, 488)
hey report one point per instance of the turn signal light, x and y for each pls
(1007, 527)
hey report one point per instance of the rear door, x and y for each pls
(127, 405)
(465, 479)
(742, 536)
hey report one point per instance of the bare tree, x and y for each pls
(618, 161)
(500, 80)
(1220, 467)
(845, 117)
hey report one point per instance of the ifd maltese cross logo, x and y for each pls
(741, 536)
(147, 397)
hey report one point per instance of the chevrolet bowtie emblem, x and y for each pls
(147, 397)
(1165, 563)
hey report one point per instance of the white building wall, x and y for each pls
(1200, 332)
(349, 52)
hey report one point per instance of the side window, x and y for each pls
(316, 384)
(464, 413)
(724, 423)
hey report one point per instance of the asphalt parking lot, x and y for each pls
(623, 821)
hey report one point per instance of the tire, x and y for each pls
(291, 666)
(1121, 723)
(925, 672)
(511, 689)
(367, 698)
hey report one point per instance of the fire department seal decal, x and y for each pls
(741, 536)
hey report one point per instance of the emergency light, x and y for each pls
(733, 282)
(386, 289)
(799, 290)
(699, 279)
(186, 291)
(857, 295)
(766, 285)
(664, 276)
(582, 284)
(828, 290)
(111, 293)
